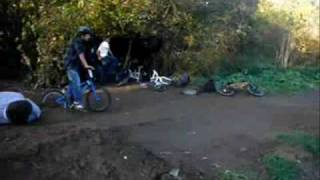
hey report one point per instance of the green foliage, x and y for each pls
(230, 175)
(275, 19)
(107, 18)
(220, 31)
(198, 36)
(279, 168)
(306, 141)
(273, 79)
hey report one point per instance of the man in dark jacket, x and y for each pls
(75, 59)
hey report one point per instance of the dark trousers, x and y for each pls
(108, 69)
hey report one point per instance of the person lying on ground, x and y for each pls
(17, 109)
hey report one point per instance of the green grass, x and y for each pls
(231, 175)
(270, 78)
(279, 168)
(306, 141)
(278, 80)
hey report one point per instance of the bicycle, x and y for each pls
(231, 88)
(160, 83)
(131, 74)
(96, 100)
(136, 74)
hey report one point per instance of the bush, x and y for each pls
(108, 18)
(274, 79)
(203, 38)
(280, 168)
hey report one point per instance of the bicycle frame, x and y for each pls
(136, 74)
(160, 80)
(87, 86)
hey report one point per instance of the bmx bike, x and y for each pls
(96, 100)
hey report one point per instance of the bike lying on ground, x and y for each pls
(136, 74)
(131, 74)
(230, 89)
(96, 100)
(160, 83)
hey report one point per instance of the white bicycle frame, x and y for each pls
(160, 80)
(136, 74)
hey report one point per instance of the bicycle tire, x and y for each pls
(99, 105)
(226, 91)
(51, 98)
(160, 88)
(255, 91)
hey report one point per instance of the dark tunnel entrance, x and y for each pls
(142, 50)
(10, 60)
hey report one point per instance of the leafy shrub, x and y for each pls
(198, 36)
(280, 168)
(108, 18)
(274, 79)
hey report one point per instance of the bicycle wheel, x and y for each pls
(160, 88)
(226, 91)
(53, 98)
(255, 91)
(99, 101)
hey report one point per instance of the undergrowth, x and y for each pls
(271, 79)
(306, 141)
(231, 175)
(280, 168)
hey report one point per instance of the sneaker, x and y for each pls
(77, 106)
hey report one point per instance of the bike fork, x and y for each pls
(93, 89)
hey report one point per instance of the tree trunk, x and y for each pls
(287, 46)
(128, 56)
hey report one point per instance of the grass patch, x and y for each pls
(279, 80)
(270, 78)
(231, 175)
(306, 141)
(279, 168)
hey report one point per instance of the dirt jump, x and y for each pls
(148, 135)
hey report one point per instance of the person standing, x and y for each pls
(108, 60)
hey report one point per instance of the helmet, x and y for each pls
(84, 30)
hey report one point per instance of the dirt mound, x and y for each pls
(80, 154)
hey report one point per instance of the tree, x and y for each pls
(163, 19)
(300, 23)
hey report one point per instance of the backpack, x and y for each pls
(184, 80)
(209, 86)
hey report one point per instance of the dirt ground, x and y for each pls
(146, 134)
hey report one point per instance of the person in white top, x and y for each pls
(104, 50)
(108, 60)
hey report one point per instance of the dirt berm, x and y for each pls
(90, 154)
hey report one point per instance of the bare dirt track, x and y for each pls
(146, 134)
